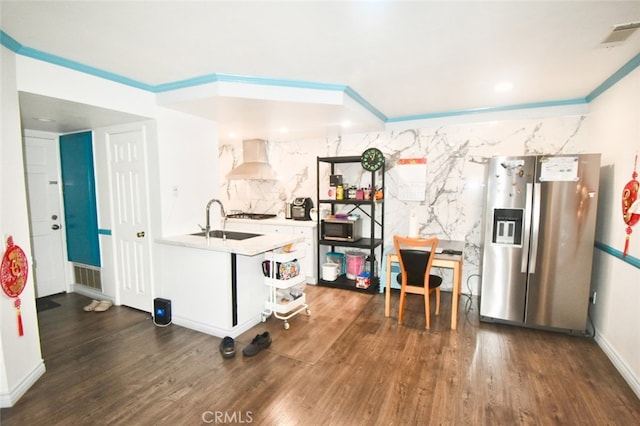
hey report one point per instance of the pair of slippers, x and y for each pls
(98, 306)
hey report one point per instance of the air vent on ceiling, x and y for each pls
(621, 32)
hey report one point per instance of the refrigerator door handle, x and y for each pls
(527, 228)
(535, 228)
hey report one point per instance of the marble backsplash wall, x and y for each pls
(456, 157)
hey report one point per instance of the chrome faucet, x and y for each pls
(207, 228)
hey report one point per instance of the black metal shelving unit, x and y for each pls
(374, 209)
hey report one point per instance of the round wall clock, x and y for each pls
(372, 159)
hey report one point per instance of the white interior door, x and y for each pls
(127, 164)
(45, 215)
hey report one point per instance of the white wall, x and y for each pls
(20, 356)
(615, 129)
(188, 169)
(183, 154)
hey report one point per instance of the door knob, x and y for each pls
(140, 234)
(55, 227)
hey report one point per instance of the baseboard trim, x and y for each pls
(89, 292)
(619, 363)
(9, 399)
(216, 331)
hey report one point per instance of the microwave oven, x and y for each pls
(341, 229)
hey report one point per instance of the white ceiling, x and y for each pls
(401, 58)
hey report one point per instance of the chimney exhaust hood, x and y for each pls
(255, 162)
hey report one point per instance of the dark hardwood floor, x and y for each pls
(344, 365)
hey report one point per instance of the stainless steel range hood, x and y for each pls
(255, 162)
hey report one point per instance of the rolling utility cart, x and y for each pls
(286, 280)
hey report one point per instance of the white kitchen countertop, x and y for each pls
(248, 247)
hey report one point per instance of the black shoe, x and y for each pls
(260, 342)
(227, 347)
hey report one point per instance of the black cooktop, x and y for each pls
(255, 216)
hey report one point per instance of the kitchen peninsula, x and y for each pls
(216, 286)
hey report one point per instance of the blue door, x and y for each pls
(79, 193)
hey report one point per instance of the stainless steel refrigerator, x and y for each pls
(540, 218)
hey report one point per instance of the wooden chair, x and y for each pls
(415, 256)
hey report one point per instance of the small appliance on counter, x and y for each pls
(301, 208)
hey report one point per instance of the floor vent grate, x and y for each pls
(88, 276)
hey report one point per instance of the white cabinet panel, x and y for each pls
(309, 262)
(197, 283)
(307, 232)
(277, 229)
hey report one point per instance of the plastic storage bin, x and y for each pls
(339, 259)
(355, 264)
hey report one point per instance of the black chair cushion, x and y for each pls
(434, 281)
(415, 264)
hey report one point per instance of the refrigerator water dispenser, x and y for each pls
(507, 226)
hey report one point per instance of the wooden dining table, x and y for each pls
(443, 259)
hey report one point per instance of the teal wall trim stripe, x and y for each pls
(281, 83)
(9, 42)
(631, 260)
(104, 231)
(228, 78)
(12, 44)
(57, 60)
(577, 101)
(182, 84)
(363, 102)
(617, 76)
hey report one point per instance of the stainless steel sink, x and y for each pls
(231, 235)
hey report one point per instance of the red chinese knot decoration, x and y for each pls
(630, 205)
(13, 276)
